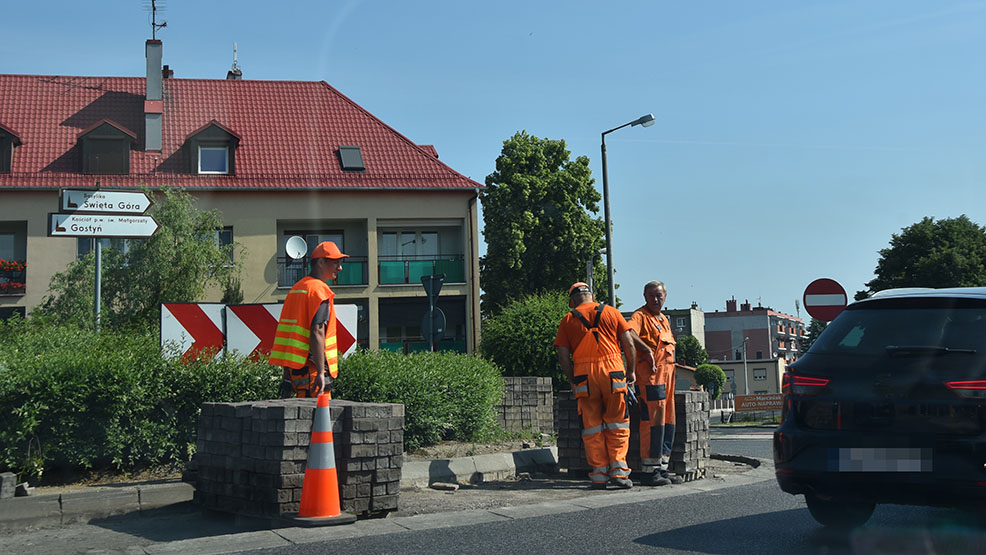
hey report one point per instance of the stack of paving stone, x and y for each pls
(250, 457)
(527, 405)
(690, 451)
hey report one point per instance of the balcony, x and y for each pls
(290, 271)
(410, 269)
(13, 276)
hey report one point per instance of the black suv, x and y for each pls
(889, 406)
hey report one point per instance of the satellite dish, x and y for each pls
(296, 247)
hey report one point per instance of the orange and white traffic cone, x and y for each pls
(320, 490)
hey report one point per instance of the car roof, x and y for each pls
(926, 292)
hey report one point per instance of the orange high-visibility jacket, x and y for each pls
(292, 340)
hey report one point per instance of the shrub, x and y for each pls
(74, 398)
(712, 378)
(520, 339)
(446, 396)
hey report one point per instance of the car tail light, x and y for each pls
(971, 389)
(802, 385)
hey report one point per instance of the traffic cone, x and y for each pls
(320, 489)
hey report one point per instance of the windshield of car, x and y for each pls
(907, 327)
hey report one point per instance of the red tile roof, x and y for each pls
(289, 133)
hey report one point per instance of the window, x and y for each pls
(351, 158)
(8, 140)
(224, 239)
(739, 355)
(213, 159)
(759, 354)
(212, 149)
(759, 374)
(85, 245)
(680, 322)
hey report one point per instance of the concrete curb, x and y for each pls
(481, 468)
(101, 502)
(83, 506)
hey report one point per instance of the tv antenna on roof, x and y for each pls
(154, 24)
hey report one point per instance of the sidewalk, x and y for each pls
(159, 518)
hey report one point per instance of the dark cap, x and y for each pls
(579, 287)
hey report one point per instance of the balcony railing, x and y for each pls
(408, 346)
(13, 277)
(410, 269)
(290, 271)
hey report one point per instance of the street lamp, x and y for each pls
(643, 121)
(746, 378)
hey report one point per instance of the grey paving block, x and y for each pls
(540, 509)
(26, 512)
(84, 506)
(8, 481)
(154, 496)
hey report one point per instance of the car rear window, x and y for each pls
(868, 328)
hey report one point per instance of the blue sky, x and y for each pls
(792, 138)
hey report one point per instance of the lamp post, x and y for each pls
(746, 378)
(644, 121)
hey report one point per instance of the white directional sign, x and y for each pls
(101, 225)
(114, 202)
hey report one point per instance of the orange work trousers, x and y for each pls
(600, 388)
(656, 416)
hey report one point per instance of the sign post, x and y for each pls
(824, 299)
(98, 213)
(433, 324)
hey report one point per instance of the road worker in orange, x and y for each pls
(655, 386)
(588, 345)
(305, 341)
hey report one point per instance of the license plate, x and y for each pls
(880, 459)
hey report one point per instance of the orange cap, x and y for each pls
(581, 287)
(327, 249)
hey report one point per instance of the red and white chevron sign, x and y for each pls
(192, 327)
(249, 328)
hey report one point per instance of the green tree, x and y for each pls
(815, 328)
(943, 253)
(538, 223)
(690, 352)
(519, 339)
(177, 264)
(712, 378)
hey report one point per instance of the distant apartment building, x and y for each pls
(752, 333)
(754, 377)
(687, 321)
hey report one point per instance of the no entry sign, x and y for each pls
(824, 299)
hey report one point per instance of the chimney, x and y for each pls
(234, 74)
(731, 305)
(154, 100)
(745, 307)
(167, 72)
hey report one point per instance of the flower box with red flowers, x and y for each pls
(12, 277)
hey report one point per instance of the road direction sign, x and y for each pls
(112, 202)
(101, 225)
(824, 299)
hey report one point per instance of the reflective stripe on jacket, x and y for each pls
(292, 340)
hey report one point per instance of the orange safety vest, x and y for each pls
(292, 340)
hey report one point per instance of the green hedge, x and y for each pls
(73, 398)
(446, 396)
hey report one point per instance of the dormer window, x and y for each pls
(8, 140)
(212, 149)
(213, 159)
(351, 158)
(106, 148)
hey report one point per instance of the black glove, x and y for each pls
(286, 389)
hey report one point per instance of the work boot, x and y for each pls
(672, 478)
(622, 483)
(655, 479)
(597, 485)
